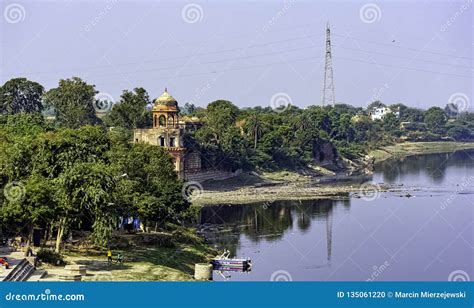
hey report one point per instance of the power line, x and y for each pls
(403, 47)
(271, 53)
(178, 57)
(402, 67)
(209, 62)
(401, 57)
(259, 45)
(299, 60)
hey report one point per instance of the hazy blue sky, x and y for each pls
(414, 52)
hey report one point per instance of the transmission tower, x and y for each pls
(328, 89)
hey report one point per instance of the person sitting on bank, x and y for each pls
(4, 262)
(120, 258)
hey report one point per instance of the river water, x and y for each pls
(379, 237)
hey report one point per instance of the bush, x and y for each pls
(51, 257)
(460, 133)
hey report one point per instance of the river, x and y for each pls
(386, 236)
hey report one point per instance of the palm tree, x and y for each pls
(255, 126)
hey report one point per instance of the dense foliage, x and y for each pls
(75, 169)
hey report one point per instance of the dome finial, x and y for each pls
(166, 89)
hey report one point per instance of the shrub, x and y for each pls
(51, 257)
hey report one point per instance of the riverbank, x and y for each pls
(148, 257)
(291, 185)
(401, 150)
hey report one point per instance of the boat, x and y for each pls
(224, 263)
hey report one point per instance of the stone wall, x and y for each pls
(205, 175)
(192, 161)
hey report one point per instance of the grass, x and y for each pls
(142, 263)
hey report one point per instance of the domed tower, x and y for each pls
(165, 111)
(166, 131)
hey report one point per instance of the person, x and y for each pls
(4, 262)
(109, 256)
(29, 252)
(119, 258)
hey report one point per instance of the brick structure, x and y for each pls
(167, 132)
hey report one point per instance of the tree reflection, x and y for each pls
(224, 225)
(432, 166)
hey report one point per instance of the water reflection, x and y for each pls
(343, 240)
(223, 225)
(432, 166)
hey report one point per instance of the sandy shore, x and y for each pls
(288, 185)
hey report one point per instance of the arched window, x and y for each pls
(170, 121)
(155, 121)
(162, 120)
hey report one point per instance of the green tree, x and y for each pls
(73, 101)
(460, 133)
(21, 95)
(435, 119)
(375, 104)
(130, 112)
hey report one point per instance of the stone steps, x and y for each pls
(21, 272)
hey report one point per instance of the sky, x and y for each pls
(252, 53)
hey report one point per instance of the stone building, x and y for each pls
(168, 132)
